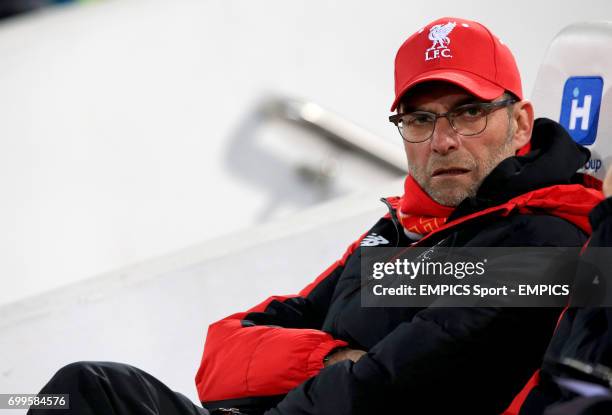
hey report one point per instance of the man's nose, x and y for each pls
(444, 139)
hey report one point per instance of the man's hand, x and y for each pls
(607, 184)
(343, 354)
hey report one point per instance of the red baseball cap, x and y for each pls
(459, 51)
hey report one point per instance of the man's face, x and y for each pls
(451, 167)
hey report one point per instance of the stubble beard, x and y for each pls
(453, 194)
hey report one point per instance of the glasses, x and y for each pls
(466, 120)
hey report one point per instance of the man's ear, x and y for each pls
(522, 117)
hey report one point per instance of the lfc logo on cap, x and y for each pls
(438, 34)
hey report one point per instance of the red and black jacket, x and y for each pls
(422, 360)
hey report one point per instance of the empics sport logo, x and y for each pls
(580, 107)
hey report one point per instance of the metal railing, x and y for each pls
(334, 127)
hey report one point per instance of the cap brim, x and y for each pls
(473, 83)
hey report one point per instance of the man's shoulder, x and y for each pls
(534, 230)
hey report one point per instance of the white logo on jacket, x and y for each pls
(438, 34)
(373, 240)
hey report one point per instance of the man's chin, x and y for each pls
(449, 194)
(449, 200)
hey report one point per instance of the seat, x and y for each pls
(573, 88)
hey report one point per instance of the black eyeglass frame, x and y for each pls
(488, 107)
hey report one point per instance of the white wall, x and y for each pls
(117, 114)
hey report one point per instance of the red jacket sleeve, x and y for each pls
(273, 347)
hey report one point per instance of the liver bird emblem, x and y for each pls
(438, 34)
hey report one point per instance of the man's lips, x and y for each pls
(449, 171)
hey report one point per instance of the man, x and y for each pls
(462, 118)
(481, 174)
